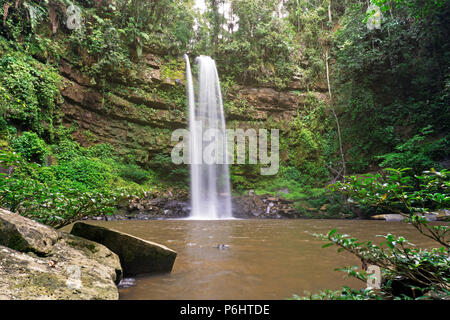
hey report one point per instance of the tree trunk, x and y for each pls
(329, 13)
(335, 117)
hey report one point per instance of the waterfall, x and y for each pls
(210, 179)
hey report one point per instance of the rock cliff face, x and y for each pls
(138, 114)
(130, 116)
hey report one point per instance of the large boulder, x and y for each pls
(38, 262)
(136, 255)
(19, 233)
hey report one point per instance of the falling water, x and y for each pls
(210, 180)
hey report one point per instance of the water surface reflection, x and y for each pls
(266, 259)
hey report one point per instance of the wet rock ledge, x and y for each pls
(39, 262)
(170, 206)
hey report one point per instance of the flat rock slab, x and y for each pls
(137, 256)
(389, 217)
(399, 217)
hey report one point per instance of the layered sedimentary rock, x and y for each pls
(137, 110)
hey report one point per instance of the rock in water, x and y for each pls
(39, 262)
(388, 217)
(136, 255)
(222, 246)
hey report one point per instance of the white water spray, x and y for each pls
(210, 182)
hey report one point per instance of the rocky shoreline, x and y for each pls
(250, 206)
(153, 207)
(38, 262)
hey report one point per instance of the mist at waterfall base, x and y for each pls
(210, 183)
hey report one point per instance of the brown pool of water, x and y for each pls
(266, 259)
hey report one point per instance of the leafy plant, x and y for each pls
(388, 73)
(134, 173)
(59, 195)
(59, 204)
(30, 92)
(408, 272)
(415, 153)
(91, 172)
(395, 192)
(31, 147)
(420, 271)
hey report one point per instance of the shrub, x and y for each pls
(408, 272)
(91, 172)
(58, 204)
(134, 173)
(423, 273)
(415, 153)
(67, 149)
(29, 92)
(3, 125)
(291, 173)
(101, 150)
(397, 192)
(47, 195)
(163, 164)
(31, 147)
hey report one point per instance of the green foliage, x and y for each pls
(118, 35)
(305, 142)
(310, 20)
(164, 25)
(134, 173)
(416, 153)
(30, 92)
(9, 158)
(418, 8)
(67, 149)
(173, 69)
(90, 172)
(31, 147)
(262, 50)
(162, 164)
(61, 194)
(21, 19)
(102, 40)
(345, 294)
(3, 125)
(389, 74)
(424, 272)
(55, 204)
(399, 193)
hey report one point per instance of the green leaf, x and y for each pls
(332, 232)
